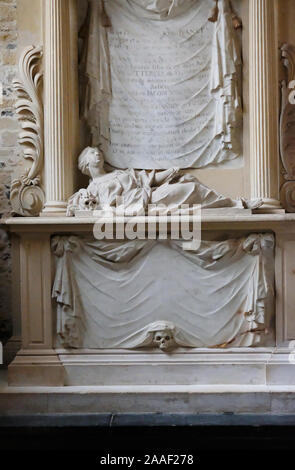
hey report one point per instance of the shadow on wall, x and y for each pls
(5, 287)
(9, 151)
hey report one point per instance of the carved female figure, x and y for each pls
(136, 189)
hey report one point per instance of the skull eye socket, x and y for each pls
(167, 338)
(86, 203)
(158, 338)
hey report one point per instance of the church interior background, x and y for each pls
(144, 111)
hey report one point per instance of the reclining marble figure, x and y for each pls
(138, 189)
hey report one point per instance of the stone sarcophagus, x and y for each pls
(148, 274)
(117, 294)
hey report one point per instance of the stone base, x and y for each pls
(11, 349)
(54, 209)
(270, 206)
(204, 382)
(120, 368)
(36, 370)
(198, 399)
(243, 366)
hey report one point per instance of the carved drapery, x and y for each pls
(27, 196)
(237, 22)
(287, 128)
(174, 99)
(118, 294)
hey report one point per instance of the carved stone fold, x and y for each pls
(27, 197)
(108, 296)
(165, 97)
(287, 128)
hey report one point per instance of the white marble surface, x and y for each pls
(165, 81)
(133, 192)
(208, 215)
(122, 294)
(211, 399)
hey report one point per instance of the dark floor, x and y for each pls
(90, 443)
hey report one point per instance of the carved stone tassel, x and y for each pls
(105, 20)
(214, 13)
(237, 22)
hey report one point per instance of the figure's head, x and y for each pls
(90, 159)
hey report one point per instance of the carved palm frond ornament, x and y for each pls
(27, 196)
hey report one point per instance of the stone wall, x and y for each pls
(9, 149)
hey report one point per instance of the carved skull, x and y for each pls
(86, 200)
(164, 339)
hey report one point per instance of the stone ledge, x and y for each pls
(266, 400)
(257, 400)
(207, 216)
(284, 223)
(109, 420)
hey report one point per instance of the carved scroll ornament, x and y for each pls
(287, 128)
(27, 196)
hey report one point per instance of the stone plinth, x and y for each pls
(39, 363)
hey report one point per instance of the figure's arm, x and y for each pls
(165, 175)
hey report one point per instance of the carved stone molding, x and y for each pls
(287, 128)
(263, 103)
(60, 102)
(27, 197)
